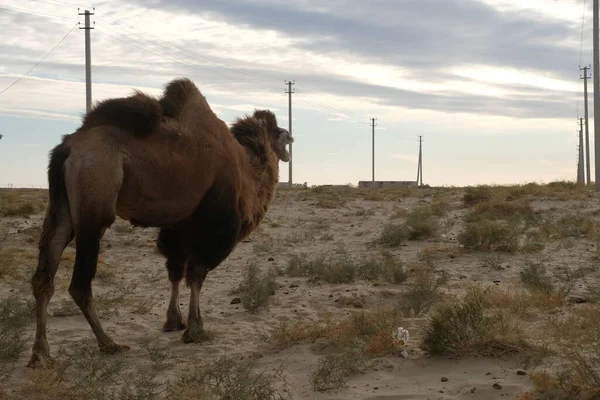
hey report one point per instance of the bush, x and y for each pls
(334, 370)
(489, 235)
(462, 328)
(392, 235)
(337, 266)
(256, 288)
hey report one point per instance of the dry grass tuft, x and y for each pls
(256, 289)
(571, 225)
(419, 224)
(535, 277)
(334, 370)
(424, 291)
(489, 235)
(227, 378)
(20, 202)
(8, 263)
(439, 252)
(371, 331)
(577, 334)
(338, 266)
(502, 209)
(462, 328)
(520, 302)
(14, 317)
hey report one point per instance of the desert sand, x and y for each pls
(133, 292)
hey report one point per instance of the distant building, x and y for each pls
(387, 184)
(294, 185)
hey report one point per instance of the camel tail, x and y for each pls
(57, 191)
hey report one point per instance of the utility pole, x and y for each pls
(290, 91)
(373, 125)
(580, 175)
(596, 69)
(420, 164)
(88, 59)
(587, 130)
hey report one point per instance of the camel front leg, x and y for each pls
(174, 320)
(195, 327)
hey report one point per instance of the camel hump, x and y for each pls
(176, 95)
(139, 114)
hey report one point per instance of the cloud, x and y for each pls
(456, 56)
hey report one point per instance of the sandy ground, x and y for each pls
(131, 272)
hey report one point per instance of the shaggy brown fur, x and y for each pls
(171, 164)
(139, 114)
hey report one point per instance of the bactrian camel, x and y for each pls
(169, 163)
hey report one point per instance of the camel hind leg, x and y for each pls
(57, 234)
(86, 259)
(169, 244)
(93, 194)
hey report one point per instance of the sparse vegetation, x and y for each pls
(227, 378)
(419, 224)
(462, 328)
(19, 203)
(371, 331)
(535, 277)
(361, 294)
(521, 302)
(256, 288)
(392, 235)
(489, 235)
(14, 317)
(571, 225)
(338, 266)
(424, 291)
(503, 209)
(8, 258)
(265, 246)
(477, 194)
(334, 370)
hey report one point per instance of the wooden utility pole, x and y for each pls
(88, 60)
(596, 70)
(373, 125)
(580, 174)
(587, 131)
(290, 91)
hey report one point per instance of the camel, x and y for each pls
(169, 163)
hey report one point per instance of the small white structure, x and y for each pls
(387, 184)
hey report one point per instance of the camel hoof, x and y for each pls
(170, 326)
(113, 348)
(195, 336)
(40, 360)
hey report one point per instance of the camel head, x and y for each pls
(279, 137)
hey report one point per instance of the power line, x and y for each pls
(581, 38)
(182, 50)
(162, 55)
(25, 11)
(54, 4)
(39, 62)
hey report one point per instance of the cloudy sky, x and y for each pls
(492, 85)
